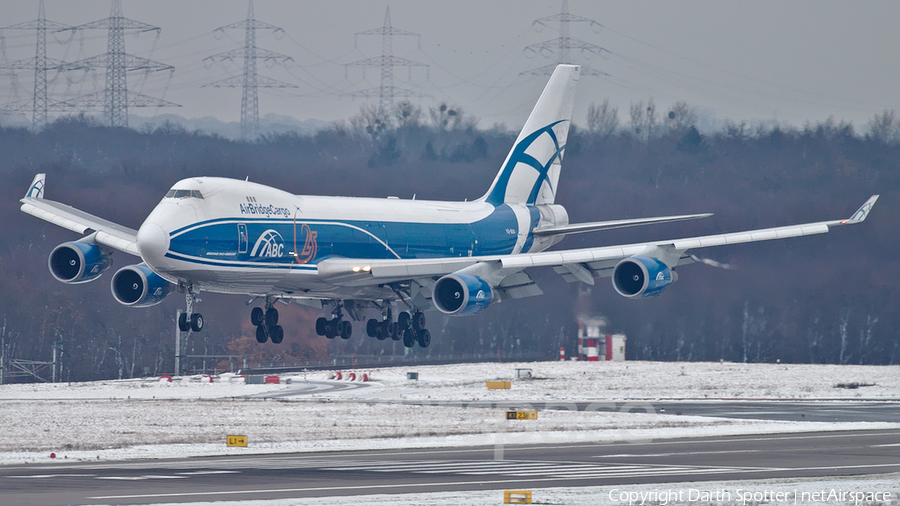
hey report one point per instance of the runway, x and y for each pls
(787, 410)
(464, 468)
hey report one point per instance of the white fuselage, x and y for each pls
(234, 236)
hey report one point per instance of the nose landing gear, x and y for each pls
(189, 320)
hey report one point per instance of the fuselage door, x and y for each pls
(243, 239)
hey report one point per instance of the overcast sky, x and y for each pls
(755, 60)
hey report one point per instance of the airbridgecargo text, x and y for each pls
(747, 497)
(268, 210)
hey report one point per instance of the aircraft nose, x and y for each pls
(152, 242)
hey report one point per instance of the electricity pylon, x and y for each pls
(41, 64)
(562, 45)
(387, 92)
(250, 81)
(115, 98)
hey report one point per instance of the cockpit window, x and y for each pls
(183, 194)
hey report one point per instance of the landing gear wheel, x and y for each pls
(346, 329)
(424, 338)
(396, 332)
(409, 338)
(372, 327)
(277, 334)
(183, 324)
(383, 331)
(321, 326)
(257, 316)
(261, 335)
(196, 322)
(403, 321)
(271, 317)
(418, 321)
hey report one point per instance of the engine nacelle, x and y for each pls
(639, 276)
(461, 294)
(77, 262)
(138, 286)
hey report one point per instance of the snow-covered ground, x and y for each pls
(149, 418)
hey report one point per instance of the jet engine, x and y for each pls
(138, 286)
(639, 276)
(78, 262)
(461, 294)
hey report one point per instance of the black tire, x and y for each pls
(396, 332)
(277, 334)
(321, 326)
(424, 338)
(261, 335)
(257, 316)
(418, 321)
(409, 338)
(382, 331)
(372, 327)
(183, 324)
(197, 322)
(271, 317)
(346, 329)
(403, 320)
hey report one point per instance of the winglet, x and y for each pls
(860, 215)
(36, 190)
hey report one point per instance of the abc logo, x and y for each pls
(269, 245)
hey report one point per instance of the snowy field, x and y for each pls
(149, 418)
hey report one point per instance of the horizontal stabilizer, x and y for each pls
(577, 228)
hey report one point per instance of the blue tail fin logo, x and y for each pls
(498, 194)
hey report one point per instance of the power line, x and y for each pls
(386, 92)
(40, 103)
(250, 81)
(562, 45)
(115, 98)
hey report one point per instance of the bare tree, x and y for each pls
(602, 120)
(407, 115)
(448, 118)
(884, 127)
(643, 119)
(370, 123)
(680, 117)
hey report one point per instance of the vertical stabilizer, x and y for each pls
(531, 170)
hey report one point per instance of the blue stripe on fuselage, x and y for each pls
(271, 241)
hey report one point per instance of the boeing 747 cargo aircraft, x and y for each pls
(399, 257)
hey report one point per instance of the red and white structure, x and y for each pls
(594, 344)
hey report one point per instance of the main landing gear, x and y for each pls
(410, 328)
(189, 320)
(266, 323)
(335, 326)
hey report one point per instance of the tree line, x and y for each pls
(823, 299)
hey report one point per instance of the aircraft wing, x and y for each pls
(576, 264)
(106, 232)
